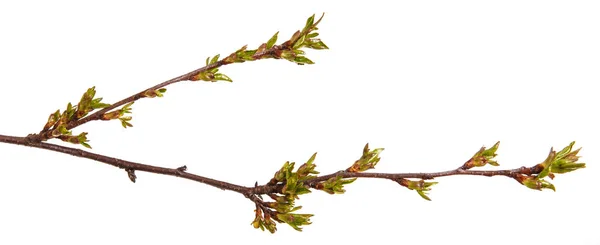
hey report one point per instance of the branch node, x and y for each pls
(182, 168)
(131, 174)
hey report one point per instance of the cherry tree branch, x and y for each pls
(185, 77)
(288, 183)
(259, 189)
(124, 164)
(289, 50)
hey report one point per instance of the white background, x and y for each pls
(431, 81)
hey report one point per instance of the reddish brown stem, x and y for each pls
(250, 192)
(127, 165)
(185, 77)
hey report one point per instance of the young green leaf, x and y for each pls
(214, 59)
(334, 185)
(160, 92)
(565, 150)
(309, 22)
(301, 60)
(272, 41)
(222, 77)
(317, 44)
(96, 104)
(86, 145)
(547, 164)
(125, 122)
(299, 43)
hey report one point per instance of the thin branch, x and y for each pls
(511, 173)
(344, 174)
(124, 164)
(285, 50)
(44, 134)
(185, 77)
(285, 191)
(258, 189)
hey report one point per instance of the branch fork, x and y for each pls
(289, 182)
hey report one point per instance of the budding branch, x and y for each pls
(259, 189)
(287, 184)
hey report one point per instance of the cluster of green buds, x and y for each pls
(334, 185)
(482, 157)
(266, 219)
(294, 184)
(88, 103)
(294, 220)
(151, 93)
(564, 161)
(57, 122)
(367, 161)
(120, 114)
(420, 186)
(290, 50)
(263, 220)
(283, 206)
(211, 75)
(281, 211)
(126, 109)
(300, 39)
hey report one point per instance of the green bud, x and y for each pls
(82, 139)
(317, 44)
(535, 183)
(295, 220)
(299, 42)
(334, 185)
(420, 186)
(222, 77)
(309, 22)
(566, 160)
(215, 59)
(367, 161)
(307, 168)
(482, 157)
(95, 104)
